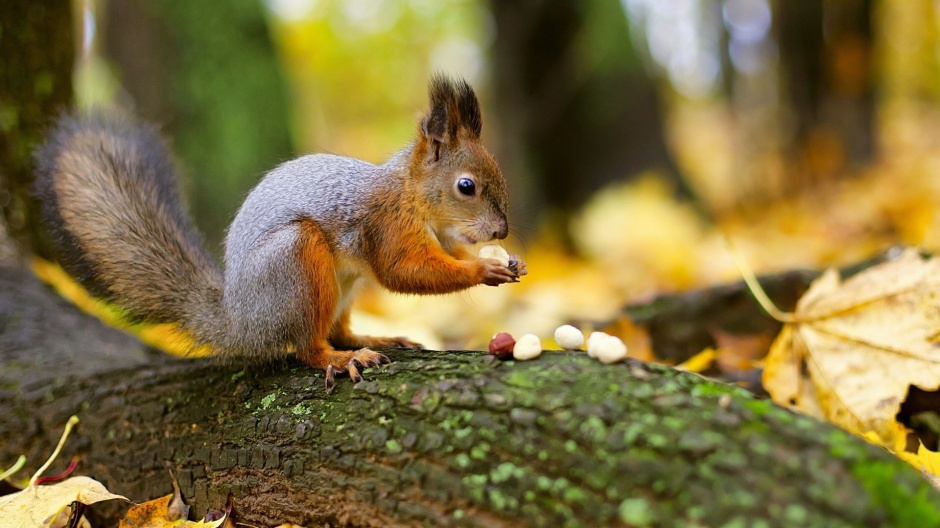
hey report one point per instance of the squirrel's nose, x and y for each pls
(502, 228)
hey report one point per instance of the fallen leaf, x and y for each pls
(165, 336)
(637, 339)
(740, 352)
(153, 514)
(40, 505)
(226, 514)
(699, 362)
(852, 349)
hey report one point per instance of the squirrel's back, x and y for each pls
(331, 190)
(109, 197)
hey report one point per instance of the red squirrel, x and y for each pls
(306, 238)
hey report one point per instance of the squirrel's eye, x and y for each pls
(466, 187)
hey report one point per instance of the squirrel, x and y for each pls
(302, 243)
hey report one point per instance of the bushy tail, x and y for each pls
(109, 197)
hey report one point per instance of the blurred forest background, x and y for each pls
(634, 133)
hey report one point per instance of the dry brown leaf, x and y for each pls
(854, 348)
(153, 514)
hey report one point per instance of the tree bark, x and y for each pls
(576, 110)
(826, 63)
(223, 100)
(36, 56)
(435, 438)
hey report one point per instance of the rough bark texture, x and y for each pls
(439, 439)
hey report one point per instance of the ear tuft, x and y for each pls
(454, 107)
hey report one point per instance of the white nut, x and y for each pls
(528, 346)
(569, 337)
(607, 349)
(593, 340)
(494, 252)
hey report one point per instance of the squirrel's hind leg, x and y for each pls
(343, 337)
(317, 265)
(338, 361)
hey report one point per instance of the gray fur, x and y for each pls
(264, 287)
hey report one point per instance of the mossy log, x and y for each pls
(440, 439)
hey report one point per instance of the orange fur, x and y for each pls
(411, 262)
(316, 260)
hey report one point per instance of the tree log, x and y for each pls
(435, 438)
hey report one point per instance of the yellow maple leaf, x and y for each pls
(41, 505)
(853, 348)
(48, 504)
(154, 514)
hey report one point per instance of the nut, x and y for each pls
(593, 340)
(494, 252)
(569, 337)
(606, 348)
(527, 347)
(501, 345)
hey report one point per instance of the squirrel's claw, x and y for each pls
(330, 378)
(335, 362)
(354, 374)
(369, 358)
(517, 266)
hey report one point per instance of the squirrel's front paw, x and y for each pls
(495, 273)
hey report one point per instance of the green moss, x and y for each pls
(393, 447)
(480, 451)
(301, 410)
(462, 460)
(636, 512)
(267, 401)
(905, 503)
(504, 472)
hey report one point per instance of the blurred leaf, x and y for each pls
(854, 349)
(167, 337)
(699, 362)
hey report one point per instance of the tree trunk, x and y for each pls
(575, 108)
(826, 57)
(222, 97)
(435, 438)
(36, 56)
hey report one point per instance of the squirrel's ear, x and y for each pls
(434, 125)
(454, 108)
(467, 109)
